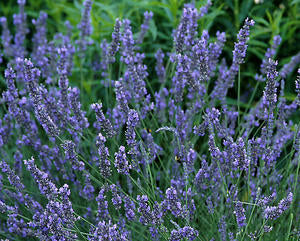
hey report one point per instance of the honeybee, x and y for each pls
(178, 159)
(148, 130)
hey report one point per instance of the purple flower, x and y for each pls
(172, 202)
(121, 162)
(273, 212)
(79, 121)
(6, 38)
(115, 43)
(103, 121)
(21, 30)
(297, 83)
(159, 68)
(63, 81)
(106, 231)
(116, 198)
(46, 186)
(270, 54)
(121, 98)
(85, 26)
(102, 212)
(31, 75)
(145, 26)
(214, 52)
(145, 210)
(14, 180)
(71, 155)
(104, 155)
(129, 207)
(184, 233)
(132, 121)
(239, 212)
(222, 229)
(288, 68)
(240, 47)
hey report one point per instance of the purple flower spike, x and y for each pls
(239, 212)
(145, 26)
(103, 121)
(121, 162)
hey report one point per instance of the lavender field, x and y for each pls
(149, 120)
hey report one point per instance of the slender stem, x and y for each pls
(290, 226)
(239, 93)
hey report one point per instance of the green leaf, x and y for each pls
(153, 29)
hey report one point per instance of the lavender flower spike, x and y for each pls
(159, 68)
(270, 96)
(145, 26)
(273, 212)
(115, 43)
(46, 186)
(6, 38)
(181, 31)
(121, 162)
(104, 123)
(240, 47)
(12, 177)
(239, 212)
(297, 82)
(85, 25)
(30, 76)
(270, 54)
(104, 154)
(71, 155)
(132, 121)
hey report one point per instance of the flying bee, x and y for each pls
(148, 130)
(178, 159)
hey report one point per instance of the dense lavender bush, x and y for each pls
(165, 159)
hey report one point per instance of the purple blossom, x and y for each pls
(288, 68)
(132, 121)
(106, 231)
(103, 121)
(129, 208)
(6, 38)
(85, 24)
(115, 43)
(102, 212)
(239, 212)
(145, 26)
(297, 83)
(71, 155)
(186, 232)
(145, 210)
(215, 50)
(172, 202)
(12, 177)
(116, 198)
(121, 162)
(31, 75)
(46, 186)
(270, 54)
(79, 121)
(159, 68)
(105, 169)
(21, 30)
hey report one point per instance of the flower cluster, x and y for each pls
(158, 149)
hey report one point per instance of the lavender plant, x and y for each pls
(165, 159)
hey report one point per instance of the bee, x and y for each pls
(178, 159)
(148, 130)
